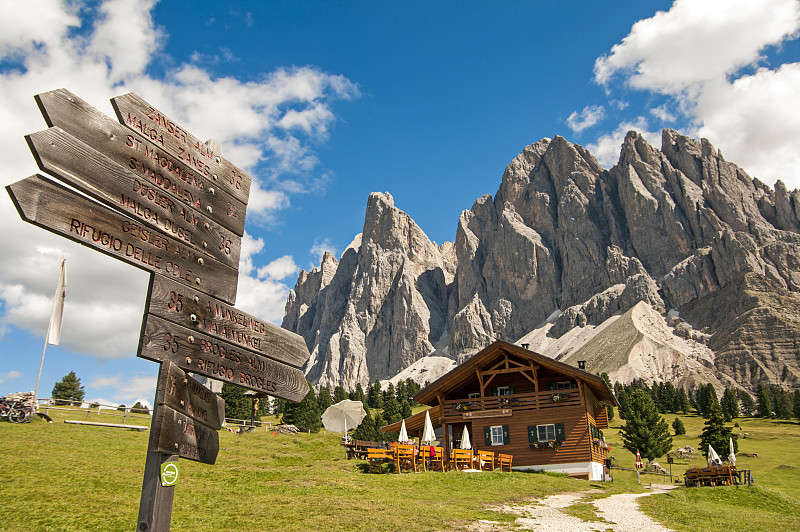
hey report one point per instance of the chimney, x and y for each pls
(525, 346)
(581, 364)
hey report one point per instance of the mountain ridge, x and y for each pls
(669, 228)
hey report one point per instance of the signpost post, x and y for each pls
(170, 205)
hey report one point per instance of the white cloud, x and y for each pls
(701, 54)
(278, 269)
(662, 113)
(263, 292)
(319, 248)
(589, 116)
(13, 374)
(126, 389)
(102, 50)
(607, 147)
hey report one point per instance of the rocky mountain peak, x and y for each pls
(669, 229)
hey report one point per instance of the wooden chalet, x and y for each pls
(547, 414)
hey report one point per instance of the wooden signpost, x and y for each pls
(170, 205)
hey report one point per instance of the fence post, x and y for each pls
(125, 414)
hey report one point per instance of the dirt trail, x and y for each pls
(619, 513)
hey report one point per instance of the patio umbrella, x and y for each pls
(343, 415)
(427, 432)
(465, 443)
(403, 436)
(713, 457)
(732, 456)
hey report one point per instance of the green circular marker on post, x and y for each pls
(169, 473)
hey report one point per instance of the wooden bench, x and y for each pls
(710, 476)
(437, 460)
(461, 459)
(504, 461)
(485, 460)
(405, 457)
(378, 457)
(360, 447)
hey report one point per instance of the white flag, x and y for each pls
(54, 330)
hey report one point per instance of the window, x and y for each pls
(474, 396)
(546, 432)
(496, 435)
(565, 385)
(503, 390)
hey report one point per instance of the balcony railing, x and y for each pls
(499, 406)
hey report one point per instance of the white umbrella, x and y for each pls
(403, 437)
(713, 457)
(343, 415)
(427, 432)
(732, 456)
(465, 443)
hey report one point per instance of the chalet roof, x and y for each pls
(416, 422)
(494, 352)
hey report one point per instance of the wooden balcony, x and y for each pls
(460, 410)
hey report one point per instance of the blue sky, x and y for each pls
(325, 102)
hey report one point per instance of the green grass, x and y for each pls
(67, 477)
(772, 503)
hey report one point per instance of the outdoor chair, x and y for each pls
(461, 459)
(485, 460)
(504, 461)
(437, 460)
(405, 457)
(423, 456)
(377, 457)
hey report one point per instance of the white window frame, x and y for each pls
(474, 395)
(496, 435)
(503, 390)
(547, 429)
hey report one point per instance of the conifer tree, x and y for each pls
(796, 400)
(748, 404)
(716, 434)
(729, 404)
(678, 426)
(339, 394)
(391, 410)
(324, 399)
(764, 401)
(379, 422)
(358, 394)
(306, 413)
(405, 409)
(68, 390)
(237, 405)
(645, 429)
(374, 395)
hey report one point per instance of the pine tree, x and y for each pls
(400, 392)
(358, 394)
(716, 434)
(391, 410)
(405, 409)
(784, 407)
(339, 394)
(365, 430)
(307, 414)
(796, 400)
(729, 404)
(237, 405)
(139, 408)
(764, 401)
(683, 401)
(645, 429)
(374, 395)
(678, 426)
(379, 422)
(324, 399)
(748, 404)
(68, 390)
(624, 404)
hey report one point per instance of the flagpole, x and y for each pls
(58, 306)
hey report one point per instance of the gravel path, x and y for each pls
(620, 513)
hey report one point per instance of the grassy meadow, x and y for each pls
(69, 477)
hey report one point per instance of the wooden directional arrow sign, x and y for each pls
(148, 121)
(211, 357)
(91, 172)
(65, 212)
(185, 395)
(176, 433)
(146, 158)
(196, 311)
